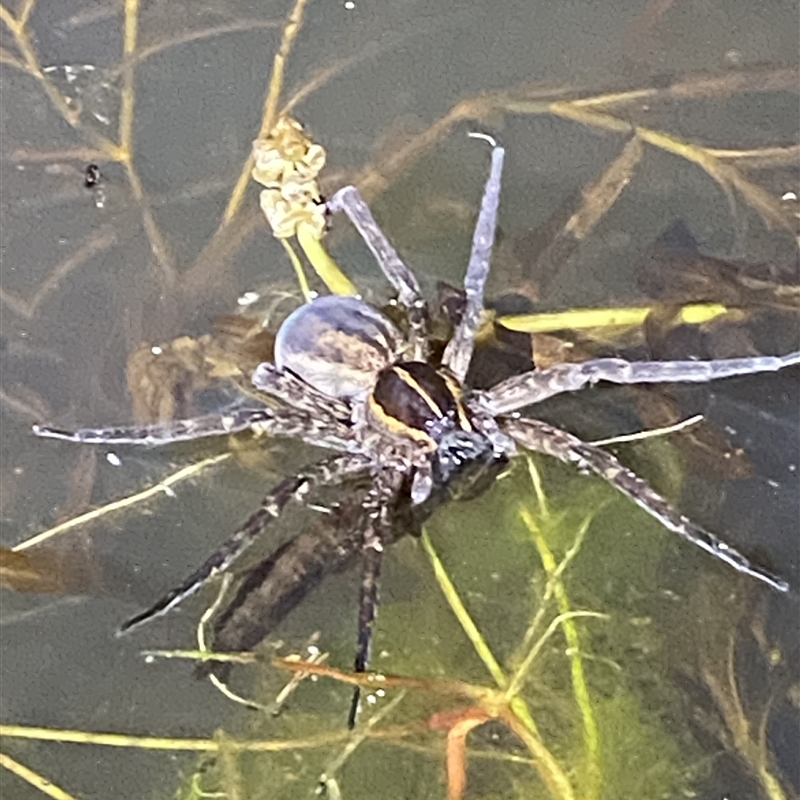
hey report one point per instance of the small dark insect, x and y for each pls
(91, 176)
(405, 432)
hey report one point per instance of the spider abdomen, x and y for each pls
(337, 344)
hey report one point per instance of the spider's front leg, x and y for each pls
(537, 385)
(349, 200)
(458, 352)
(328, 471)
(543, 438)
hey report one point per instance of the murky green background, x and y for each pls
(197, 108)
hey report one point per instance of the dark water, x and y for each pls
(89, 274)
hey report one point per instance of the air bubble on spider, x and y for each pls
(337, 344)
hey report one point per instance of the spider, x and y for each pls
(406, 434)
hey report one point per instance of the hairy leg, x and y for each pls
(160, 433)
(458, 352)
(537, 385)
(543, 438)
(297, 394)
(320, 429)
(377, 535)
(270, 591)
(367, 609)
(331, 470)
(349, 200)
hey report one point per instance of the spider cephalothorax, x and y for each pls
(405, 432)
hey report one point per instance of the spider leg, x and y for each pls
(349, 200)
(293, 487)
(377, 534)
(543, 438)
(319, 429)
(180, 430)
(282, 581)
(296, 393)
(537, 385)
(458, 352)
(367, 609)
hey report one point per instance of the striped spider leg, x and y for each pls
(306, 415)
(458, 352)
(537, 385)
(533, 387)
(543, 438)
(349, 200)
(295, 487)
(376, 536)
(161, 433)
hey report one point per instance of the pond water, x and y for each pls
(690, 661)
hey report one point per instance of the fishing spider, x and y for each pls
(347, 379)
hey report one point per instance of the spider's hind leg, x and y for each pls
(367, 609)
(328, 471)
(543, 438)
(377, 534)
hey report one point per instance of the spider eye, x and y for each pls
(337, 344)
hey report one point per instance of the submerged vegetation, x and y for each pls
(533, 644)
